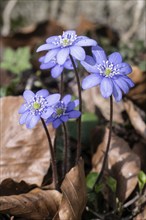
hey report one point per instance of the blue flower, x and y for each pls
(56, 69)
(63, 111)
(63, 45)
(108, 72)
(37, 106)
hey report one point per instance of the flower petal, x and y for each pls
(91, 81)
(77, 52)
(23, 118)
(51, 54)
(64, 118)
(76, 102)
(53, 99)
(68, 64)
(56, 123)
(106, 87)
(90, 65)
(45, 66)
(23, 108)
(66, 99)
(62, 55)
(128, 81)
(28, 95)
(122, 84)
(46, 114)
(56, 71)
(117, 92)
(86, 42)
(115, 58)
(74, 114)
(125, 68)
(99, 54)
(46, 47)
(52, 39)
(43, 92)
(49, 120)
(70, 106)
(34, 121)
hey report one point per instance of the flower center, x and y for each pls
(36, 105)
(59, 111)
(107, 71)
(67, 38)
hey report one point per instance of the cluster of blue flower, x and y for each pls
(108, 72)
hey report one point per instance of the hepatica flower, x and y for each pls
(56, 69)
(37, 106)
(63, 45)
(63, 111)
(108, 72)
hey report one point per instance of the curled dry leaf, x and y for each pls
(37, 204)
(135, 118)
(123, 164)
(74, 194)
(24, 152)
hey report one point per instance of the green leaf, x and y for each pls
(91, 179)
(141, 180)
(112, 183)
(16, 61)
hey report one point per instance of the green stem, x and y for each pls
(53, 162)
(108, 144)
(80, 109)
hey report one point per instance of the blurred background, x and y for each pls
(116, 25)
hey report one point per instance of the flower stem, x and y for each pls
(80, 109)
(65, 165)
(53, 162)
(108, 143)
(61, 85)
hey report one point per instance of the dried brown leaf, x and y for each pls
(37, 204)
(74, 194)
(24, 152)
(103, 105)
(123, 164)
(140, 149)
(135, 118)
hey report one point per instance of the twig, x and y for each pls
(7, 17)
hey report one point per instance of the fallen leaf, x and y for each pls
(135, 118)
(24, 152)
(123, 164)
(36, 204)
(137, 75)
(40, 204)
(10, 187)
(103, 105)
(141, 215)
(140, 149)
(74, 194)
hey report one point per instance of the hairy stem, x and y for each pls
(80, 109)
(53, 162)
(61, 85)
(108, 143)
(65, 164)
